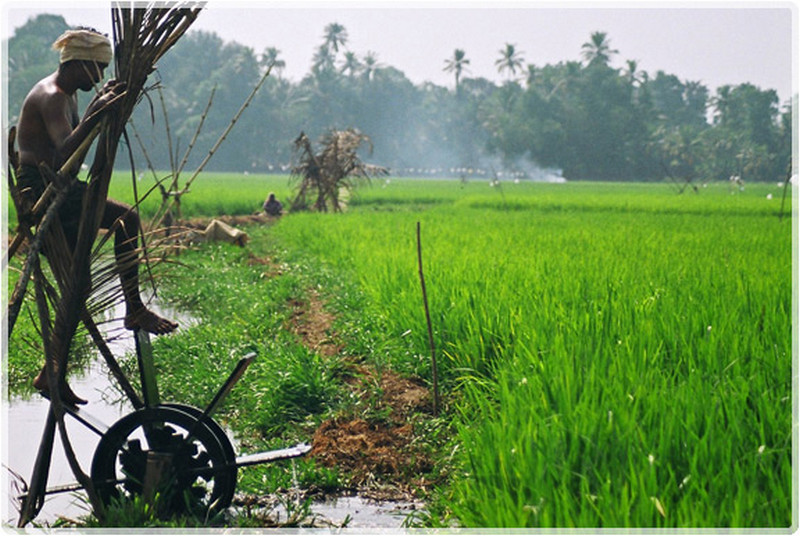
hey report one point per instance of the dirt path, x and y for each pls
(380, 454)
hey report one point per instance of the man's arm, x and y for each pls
(58, 118)
(103, 99)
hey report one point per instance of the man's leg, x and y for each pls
(69, 224)
(137, 315)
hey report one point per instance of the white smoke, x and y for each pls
(521, 169)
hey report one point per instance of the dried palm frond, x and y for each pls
(141, 36)
(336, 167)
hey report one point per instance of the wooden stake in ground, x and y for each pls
(434, 369)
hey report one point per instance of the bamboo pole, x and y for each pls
(15, 302)
(434, 368)
(56, 374)
(34, 499)
(170, 152)
(229, 128)
(41, 469)
(194, 138)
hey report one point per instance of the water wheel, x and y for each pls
(199, 477)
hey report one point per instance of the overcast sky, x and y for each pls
(715, 43)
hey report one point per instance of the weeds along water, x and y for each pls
(611, 355)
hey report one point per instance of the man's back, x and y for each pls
(48, 115)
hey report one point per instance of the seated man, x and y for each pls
(272, 206)
(48, 131)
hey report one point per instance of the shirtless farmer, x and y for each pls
(49, 130)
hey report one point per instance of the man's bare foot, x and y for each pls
(147, 320)
(67, 395)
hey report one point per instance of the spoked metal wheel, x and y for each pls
(200, 476)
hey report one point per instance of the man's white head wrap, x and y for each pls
(84, 45)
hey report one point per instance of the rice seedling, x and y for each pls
(621, 356)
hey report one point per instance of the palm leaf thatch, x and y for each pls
(335, 168)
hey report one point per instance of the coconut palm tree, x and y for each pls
(531, 72)
(696, 99)
(721, 103)
(270, 58)
(457, 64)
(350, 64)
(370, 65)
(510, 60)
(335, 36)
(634, 76)
(598, 49)
(323, 59)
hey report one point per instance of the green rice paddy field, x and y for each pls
(621, 354)
(610, 355)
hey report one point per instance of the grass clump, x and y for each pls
(284, 385)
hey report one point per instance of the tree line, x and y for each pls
(581, 118)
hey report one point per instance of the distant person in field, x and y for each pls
(49, 130)
(272, 206)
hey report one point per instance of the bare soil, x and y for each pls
(313, 324)
(373, 452)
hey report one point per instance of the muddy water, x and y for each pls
(24, 420)
(353, 512)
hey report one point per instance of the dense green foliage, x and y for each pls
(584, 118)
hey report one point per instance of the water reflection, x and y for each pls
(25, 419)
(356, 511)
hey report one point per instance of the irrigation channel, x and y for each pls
(24, 420)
